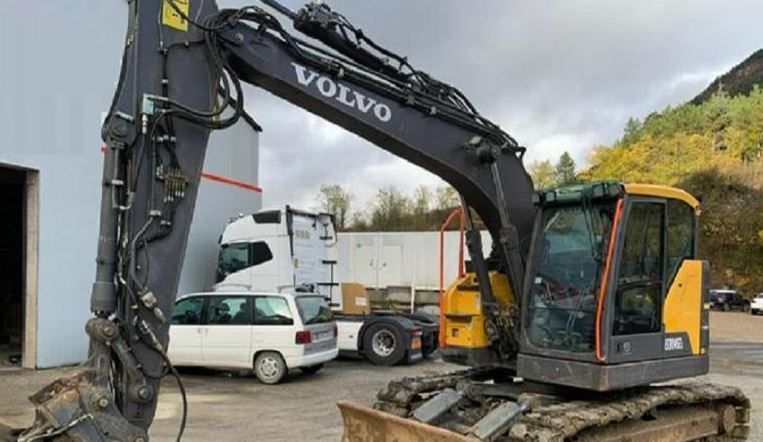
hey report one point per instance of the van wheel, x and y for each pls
(383, 344)
(311, 369)
(269, 367)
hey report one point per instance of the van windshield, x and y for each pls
(313, 310)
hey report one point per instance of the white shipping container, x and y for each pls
(399, 259)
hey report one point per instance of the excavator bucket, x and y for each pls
(364, 424)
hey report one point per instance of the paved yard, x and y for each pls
(225, 406)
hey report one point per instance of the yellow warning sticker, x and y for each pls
(171, 17)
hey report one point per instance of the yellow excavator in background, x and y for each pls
(591, 293)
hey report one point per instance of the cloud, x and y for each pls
(558, 76)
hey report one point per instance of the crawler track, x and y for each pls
(681, 412)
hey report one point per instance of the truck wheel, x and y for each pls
(383, 344)
(311, 369)
(269, 367)
(726, 307)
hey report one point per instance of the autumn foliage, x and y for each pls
(714, 150)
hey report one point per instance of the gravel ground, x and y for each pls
(225, 406)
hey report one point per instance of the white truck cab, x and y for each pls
(287, 251)
(281, 250)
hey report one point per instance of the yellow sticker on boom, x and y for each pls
(171, 17)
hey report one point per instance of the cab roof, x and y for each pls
(248, 293)
(662, 192)
(613, 189)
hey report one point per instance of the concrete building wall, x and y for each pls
(232, 155)
(54, 84)
(59, 62)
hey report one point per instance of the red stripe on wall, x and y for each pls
(231, 181)
(221, 179)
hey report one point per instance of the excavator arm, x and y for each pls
(181, 76)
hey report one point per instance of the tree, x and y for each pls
(564, 172)
(543, 174)
(730, 227)
(333, 198)
(422, 200)
(447, 198)
(632, 131)
(421, 209)
(390, 210)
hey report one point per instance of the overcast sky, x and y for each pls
(557, 75)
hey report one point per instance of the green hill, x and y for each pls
(740, 80)
(713, 148)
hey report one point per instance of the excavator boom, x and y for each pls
(181, 75)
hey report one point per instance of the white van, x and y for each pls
(270, 333)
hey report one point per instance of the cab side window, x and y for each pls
(638, 300)
(681, 234)
(239, 256)
(229, 310)
(272, 310)
(188, 311)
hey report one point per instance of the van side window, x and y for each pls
(681, 222)
(188, 311)
(272, 310)
(229, 310)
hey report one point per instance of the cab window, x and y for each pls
(188, 311)
(272, 310)
(238, 256)
(229, 310)
(681, 234)
(638, 300)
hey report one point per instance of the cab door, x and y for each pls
(637, 305)
(186, 332)
(227, 332)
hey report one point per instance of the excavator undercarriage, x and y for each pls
(493, 405)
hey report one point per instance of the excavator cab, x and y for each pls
(613, 301)
(614, 295)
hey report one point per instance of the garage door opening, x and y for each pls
(17, 258)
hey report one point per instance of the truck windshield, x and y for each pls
(313, 310)
(571, 259)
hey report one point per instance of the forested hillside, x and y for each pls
(738, 81)
(713, 149)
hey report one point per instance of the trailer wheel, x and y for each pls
(383, 344)
(269, 367)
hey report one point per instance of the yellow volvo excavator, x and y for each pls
(591, 293)
(614, 300)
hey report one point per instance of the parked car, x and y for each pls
(756, 305)
(270, 333)
(726, 300)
